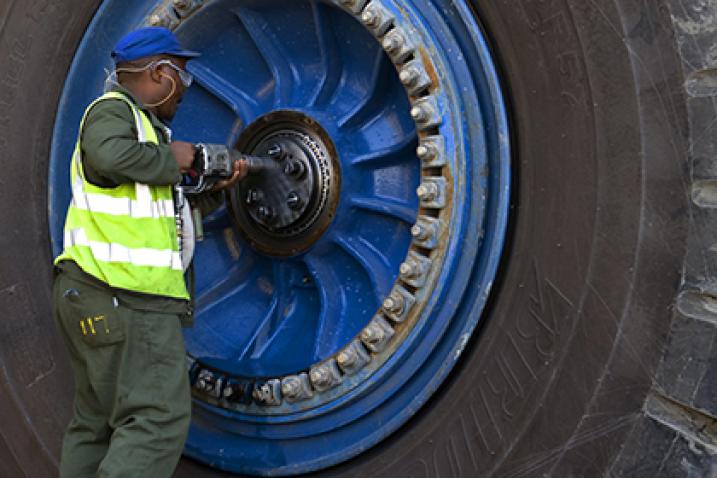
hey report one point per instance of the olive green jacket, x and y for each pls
(112, 155)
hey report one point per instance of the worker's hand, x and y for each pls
(183, 154)
(241, 170)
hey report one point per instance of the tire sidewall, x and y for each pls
(581, 308)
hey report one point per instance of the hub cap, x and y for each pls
(283, 210)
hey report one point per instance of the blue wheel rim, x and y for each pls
(263, 318)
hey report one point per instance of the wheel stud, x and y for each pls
(409, 76)
(392, 43)
(293, 200)
(426, 152)
(398, 303)
(268, 393)
(427, 191)
(320, 376)
(290, 387)
(420, 232)
(353, 357)
(296, 387)
(253, 196)
(275, 152)
(266, 213)
(346, 358)
(393, 304)
(419, 114)
(228, 391)
(295, 168)
(409, 269)
(370, 18)
(325, 376)
(373, 334)
(425, 113)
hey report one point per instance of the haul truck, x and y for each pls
(498, 258)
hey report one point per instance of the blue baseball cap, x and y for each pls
(149, 41)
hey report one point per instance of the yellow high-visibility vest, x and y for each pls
(125, 236)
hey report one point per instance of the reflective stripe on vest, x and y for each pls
(125, 236)
(113, 252)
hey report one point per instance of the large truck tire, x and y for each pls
(596, 354)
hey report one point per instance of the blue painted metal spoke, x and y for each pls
(238, 100)
(374, 98)
(387, 207)
(264, 331)
(331, 61)
(288, 322)
(403, 151)
(225, 321)
(278, 61)
(264, 316)
(344, 290)
(376, 265)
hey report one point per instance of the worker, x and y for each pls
(120, 293)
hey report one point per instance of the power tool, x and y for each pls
(214, 163)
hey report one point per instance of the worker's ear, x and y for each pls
(155, 74)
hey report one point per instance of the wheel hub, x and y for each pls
(286, 208)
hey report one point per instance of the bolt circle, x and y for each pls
(302, 190)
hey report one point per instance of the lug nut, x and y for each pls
(228, 391)
(266, 213)
(392, 43)
(420, 232)
(373, 334)
(393, 304)
(261, 393)
(409, 76)
(155, 20)
(370, 18)
(295, 168)
(181, 4)
(420, 114)
(346, 358)
(275, 152)
(293, 200)
(409, 268)
(426, 151)
(291, 387)
(252, 196)
(324, 376)
(205, 381)
(319, 376)
(427, 191)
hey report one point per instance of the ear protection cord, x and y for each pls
(166, 98)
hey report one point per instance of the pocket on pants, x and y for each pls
(92, 315)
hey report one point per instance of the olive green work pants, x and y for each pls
(132, 396)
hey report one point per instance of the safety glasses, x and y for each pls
(186, 77)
